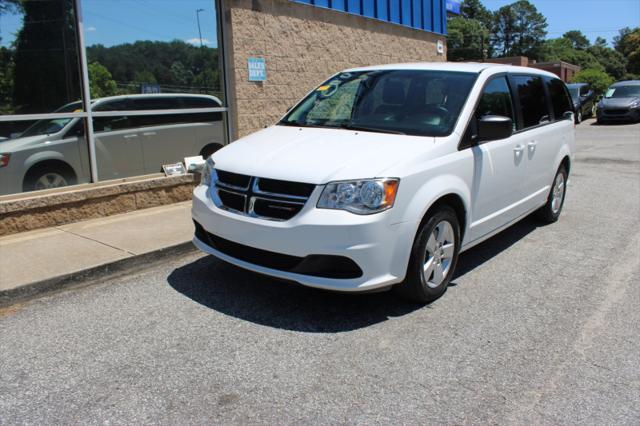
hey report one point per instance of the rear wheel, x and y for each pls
(550, 212)
(579, 117)
(433, 257)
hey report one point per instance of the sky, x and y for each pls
(112, 22)
(595, 18)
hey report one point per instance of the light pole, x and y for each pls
(198, 19)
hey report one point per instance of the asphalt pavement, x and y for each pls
(540, 326)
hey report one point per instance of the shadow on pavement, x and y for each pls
(263, 300)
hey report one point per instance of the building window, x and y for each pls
(154, 90)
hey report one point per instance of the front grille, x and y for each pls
(259, 197)
(325, 266)
(616, 111)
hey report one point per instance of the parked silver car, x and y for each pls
(54, 153)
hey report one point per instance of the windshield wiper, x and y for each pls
(351, 126)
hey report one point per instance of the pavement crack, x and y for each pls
(96, 241)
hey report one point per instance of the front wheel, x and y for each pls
(550, 212)
(48, 177)
(579, 117)
(433, 257)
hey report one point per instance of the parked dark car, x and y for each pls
(621, 102)
(583, 100)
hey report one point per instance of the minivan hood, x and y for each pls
(618, 102)
(12, 145)
(317, 155)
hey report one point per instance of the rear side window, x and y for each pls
(533, 102)
(560, 99)
(496, 99)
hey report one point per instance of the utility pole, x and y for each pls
(199, 30)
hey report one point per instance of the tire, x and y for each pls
(550, 212)
(48, 177)
(210, 149)
(579, 117)
(440, 232)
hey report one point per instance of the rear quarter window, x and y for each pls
(560, 99)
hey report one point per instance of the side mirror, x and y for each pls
(494, 127)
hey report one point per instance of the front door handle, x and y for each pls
(532, 145)
(149, 134)
(130, 136)
(518, 149)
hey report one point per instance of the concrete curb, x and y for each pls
(89, 276)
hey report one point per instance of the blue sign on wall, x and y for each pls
(453, 6)
(428, 15)
(257, 69)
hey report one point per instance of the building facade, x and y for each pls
(91, 93)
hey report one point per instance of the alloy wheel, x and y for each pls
(439, 254)
(50, 180)
(558, 193)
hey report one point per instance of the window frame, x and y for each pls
(466, 140)
(514, 88)
(550, 99)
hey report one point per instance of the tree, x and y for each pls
(628, 44)
(466, 40)
(46, 72)
(578, 40)
(519, 29)
(101, 83)
(613, 62)
(474, 9)
(561, 49)
(598, 80)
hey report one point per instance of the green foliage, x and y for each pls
(561, 49)
(519, 30)
(46, 74)
(599, 80)
(176, 66)
(7, 68)
(100, 81)
(474, 9)
(628, 44)
(578, 40)
(613, 62)
(466, 40)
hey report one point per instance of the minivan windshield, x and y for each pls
(412, 102)
(631, 91)
(54, 125)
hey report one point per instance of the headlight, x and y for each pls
(205, 175)
(600, 105)
(360, 196)
(635, 104)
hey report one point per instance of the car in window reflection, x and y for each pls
(54, 152)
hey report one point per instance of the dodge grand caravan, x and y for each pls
(54, 153)
(381, 176)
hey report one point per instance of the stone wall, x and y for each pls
(302, 46)
(59, 207)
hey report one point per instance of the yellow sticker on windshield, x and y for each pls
(77, 110)
(323, 88)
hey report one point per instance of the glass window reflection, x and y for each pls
(39, 62)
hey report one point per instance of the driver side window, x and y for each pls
(496, 100)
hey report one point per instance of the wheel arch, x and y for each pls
(53, 164)
(443, 190)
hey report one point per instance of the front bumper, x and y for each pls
(379, 248)
(611, 114)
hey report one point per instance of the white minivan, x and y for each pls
(382, 175)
